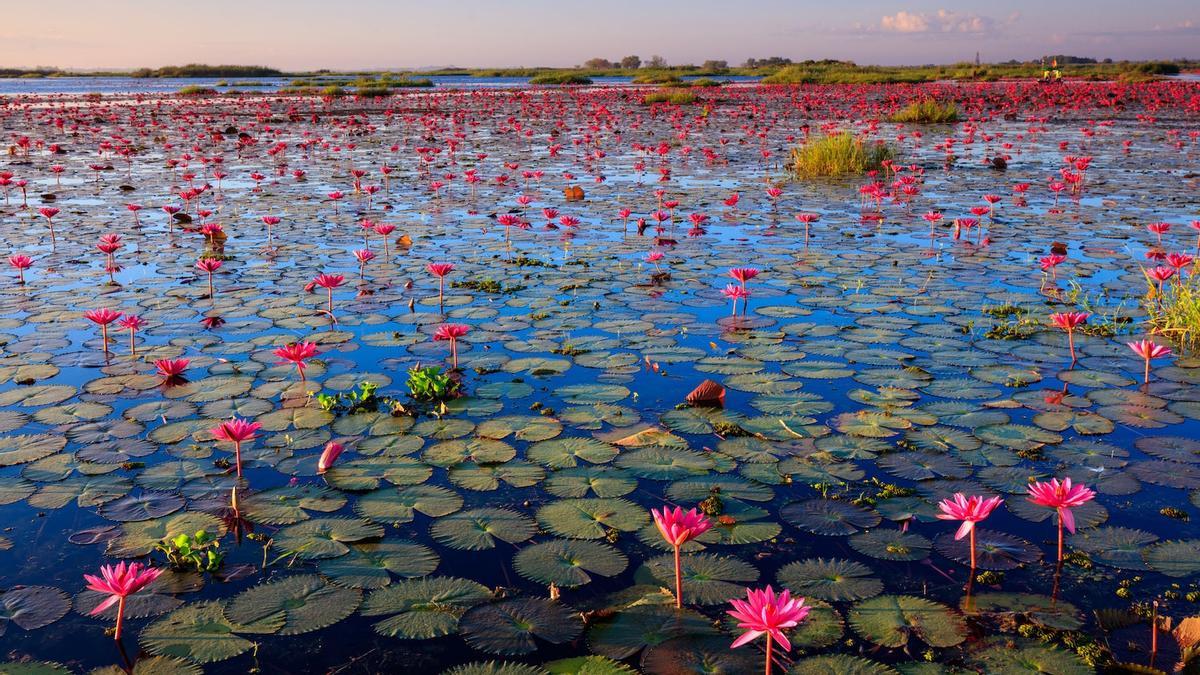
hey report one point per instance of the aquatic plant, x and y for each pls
(970, 510)
(926, 111)
(764, 612)
(119, 582)
(329, 282)
(440, 270)
(297, 353)
(236, 431)
(677, 528)
(1062, 496)
(20, 263)
(1148, 350)
(197, 552)
(837, 155)
(102, 317)
(329, 455)
(430, 384)
(1069, 322)
(451, 332)
(209, 266)
(171, 369)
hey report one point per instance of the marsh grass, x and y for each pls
(926, 111)
(196, 90)
(837, 155)
(560, 78)
(1175, 313)
(672, 96)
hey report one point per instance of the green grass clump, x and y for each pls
(333, 91)
(926, 111)
(672, 96)
(196, 90)
(1175, 313)
(837, 155)
(560, 78)
(656, 78)
(373, 91)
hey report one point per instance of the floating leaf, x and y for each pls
(831, 579)
(510, 627)
(892, 620)
(568, 563)
(479, 529)
(420, 609)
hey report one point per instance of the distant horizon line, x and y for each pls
(644, 66)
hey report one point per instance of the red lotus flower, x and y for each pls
(132, 323)
(678, 528)
(1069, 321)
(297, 353)
(329, 455)
(236, 431)
(1061, 496)
(451, 332)
(1147, 350)
(102, 317)
(440, 270)
(120, 582)
(765, 613)
(209, 265)
(169, 369)
(969, 510)
(743, 274)
(20, 263)
(329, 282)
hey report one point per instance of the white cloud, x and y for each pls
(941, 21)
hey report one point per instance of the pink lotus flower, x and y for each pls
(1061, 496)
(102, 317)
(678, 528)
(451, 332)
(765, 613)
(132, 323)
(236, 431)
(20, 263)
(209, 265)
(969, 510)
(329, 282)
(1069, 321)
(1148, 349)
(329, 455)
(440, 270)
(120, 582)
(735, 293)
(169, 369)
(297, 353)
(743, 274)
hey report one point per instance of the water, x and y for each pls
(129, 85)
(863, 354)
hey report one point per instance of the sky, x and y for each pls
(402, 34)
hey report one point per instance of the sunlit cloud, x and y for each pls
(941, 21)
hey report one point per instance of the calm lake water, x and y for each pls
(881, 364)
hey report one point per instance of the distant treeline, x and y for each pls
(202, 70)
(774, 70)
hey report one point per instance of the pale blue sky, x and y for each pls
(303, 34)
